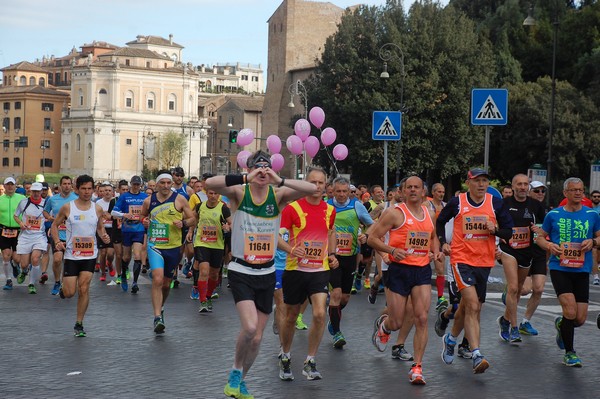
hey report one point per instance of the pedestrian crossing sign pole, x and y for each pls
(489, 107)
(387, 126)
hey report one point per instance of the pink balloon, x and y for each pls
(340, 152)
(277, 162)
(294, 144)
(274, 144)
(302, 129)
(317, 116)
(242, 158)
(312, 145)
(328, 136)
(245, 137)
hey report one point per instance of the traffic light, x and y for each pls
(233, 136)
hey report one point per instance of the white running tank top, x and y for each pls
(81, 233)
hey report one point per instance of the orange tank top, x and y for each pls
(472, 243)
(414, 236)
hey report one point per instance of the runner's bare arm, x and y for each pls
(63, 214)
(234, 193)
(100, 230)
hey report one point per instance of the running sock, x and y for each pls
(137, 268)
(202, 289)
(361, 269)
(342, 306)
(212, 284)
(567, 332)
(124, 268)
(335, 316)
(309, 358)
(7, 270)
(525, 320)
(476, 353)
(195, 275)
(452, 338)
(440, 281)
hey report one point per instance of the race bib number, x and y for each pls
(417, 243)
(33, 222)
(83, 247)
(571, 255)
(520, 237)
(475, 228)
(208, 234)
(136, 211)
(344, 243)
(258, 247)
(158, 233)
(10, 233)
(314, 253)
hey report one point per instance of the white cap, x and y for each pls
(537, 184)
(37, 186)
(352, 187)
(10, 180)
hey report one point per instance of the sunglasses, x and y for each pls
(262, 165)
(595, 196)
(353, 192)
(539, 190)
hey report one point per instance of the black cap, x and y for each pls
(45, 186)
(136, 180)
(476, 172)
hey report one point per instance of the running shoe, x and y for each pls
(134, 288)
(215, 295)
(43, 278)
(119, 280)
(124, 285)
(448, 349)
(572, 360)
(353, 290)
(300, 324)
(233, 384)
(111, 270)
(61, 293)
(127, 274)
(338, 340)
(415, 375)
(175, 283)
(380, 338)
(203, 307)
(480, 364)
(103, 277)
(209, 305)
(186, 268)
(244, 394)
(464, 351)
(78, 330)
(195, 293)
(504, 326)
(159, 325)
(357, 282)
(442, 303)
(527, 329)
(32, 289)
(310, 370)
(367, 284)
(332, 333)
(559, 340)
(441, 324)
(56, 288)
(399, 352)
(285, 370)
(514, 335)
(504, 294)
(9, 286)
(372, 297)
(144, 269)
(15, 269)
(21, 277)
(596, 281)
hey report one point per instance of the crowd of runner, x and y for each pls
(314, 241)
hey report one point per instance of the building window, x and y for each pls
(45, 163)
(127, 62)
(47, 124)
(16, 161)
(23, 81)
(128, 141)
(150, 101)
(148, 64)
(42, 82)
(80, 93)
(48, 107)
(32, 81)
(18, 105)
(129, 99)
(172, 101)
(66, 77)
(78, 142)
(17, 123)
(255, 78)
(244, 77)
(6, 144)
(6, 106)
(57, 78)
(5, 162)
(6, 125)
(102, 91)
(45, 144)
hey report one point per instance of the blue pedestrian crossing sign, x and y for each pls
(387, 125)
(489, 107)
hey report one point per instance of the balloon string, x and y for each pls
(337, 172)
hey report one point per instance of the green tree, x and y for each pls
(172, 146)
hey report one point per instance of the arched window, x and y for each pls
(23, 81)
(42, 82)
(89, 152)
(150, 100)
(128, 99)
(103, 98)
(102, 91)
(32, 81)
(78, 142)
(172, 102)
(174, 57)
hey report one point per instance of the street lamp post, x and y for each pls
(298, 89)
(530, 21)
(388, 52)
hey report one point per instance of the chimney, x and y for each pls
(171, 39)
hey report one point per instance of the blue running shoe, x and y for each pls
(572, 360)
(559, 340)
(480, 364)
(244, 394)
(186, 267)
(338, 340)
(195, 293)
(56, 288)
(527, 329)
(448, 349)
(159, 325)
(514, 335)
(357, 282)
(233, 384)
(504, 328)
(9, 286)
(330, 328)
(124, 284)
